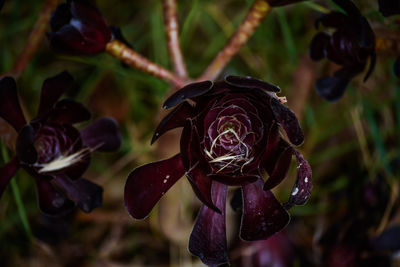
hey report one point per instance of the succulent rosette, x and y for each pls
(351, 45)
(78, 28)
(52, 150)
(231, 132)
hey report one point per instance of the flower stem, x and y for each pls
(35, 38)
(137, 61)
(18, 199)
(172, 29)
(255, 16)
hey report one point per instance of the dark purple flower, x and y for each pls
(230, 133)
(389, 7)
(350, 45)
(79, 28)
(282, 2)
(53, 151)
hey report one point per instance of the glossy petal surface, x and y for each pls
(7, 171)
(263, 215)
(148, 183)
(302, 189)
(102, 135)
(281, 169)
(208, 238)
(10, 109)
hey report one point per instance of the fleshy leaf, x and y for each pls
(289, 122)
(10, 109)
(26, 151)
(84, 193)
(102, 135)
(251, 83)
(52, 89)
(148, 183)
(7, 171)
(302, 188)
(189, 91)
(208, 238)
(263, 215)
(268, 158)
(176, 118)
(234, 180)
(281, 169)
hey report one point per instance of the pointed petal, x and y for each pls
(234, 180)
(102, 135)
(10, 109)
(252, 83)
(189, 91)
(52, 89)
(332, 19)
(26, 151)
(289, 122)
(7, 171)
(281, 169)
(263, 215)
(176, 118)
(148, 183)
(52, 202)
(84, 193)
(302, 189)
(208, 238)
(69, 112)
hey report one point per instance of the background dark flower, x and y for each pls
(350, 45)
(389, 7)
(78, 28)
(231, 133)
(54, 152)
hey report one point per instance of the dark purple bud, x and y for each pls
(78, 28)
(7, 171)
(208, 238)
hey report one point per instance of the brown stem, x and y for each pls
(35, 38)
(255, 16)
(172, 29)
(137, 61)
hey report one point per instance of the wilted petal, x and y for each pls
(102, 135)
(389, 7)
(302, 188)
(52, 89)
(331, 88)
(251, 83)
(318, 46)
(69, 111)
(148, 183)
(174, 119)
(263, 215)
(281, 169)
(289, 122)
(10, 110)
(189, 91)
(84, 193)
(26, 151)
(7, 171)
(51, 202)
(208, 238)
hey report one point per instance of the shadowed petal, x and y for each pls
(208, 238)
(52, 89)
(251, 83)
(281, 169)
(68, 111)
(289, 122)
(7, 171)
(189, 91)
(263, 215)
(271, 148)
(102, 135)
(148, 183)
(389, 7)
(318, 45)
(10, 109)
(84, 193)
(331, 88)
(26, 151)
(302, 189)
(234, 180)
(51, 202)
(174, 119)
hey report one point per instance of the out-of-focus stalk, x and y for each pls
(35, 38)
(255, 16)
(137, 61)
(172, 30)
